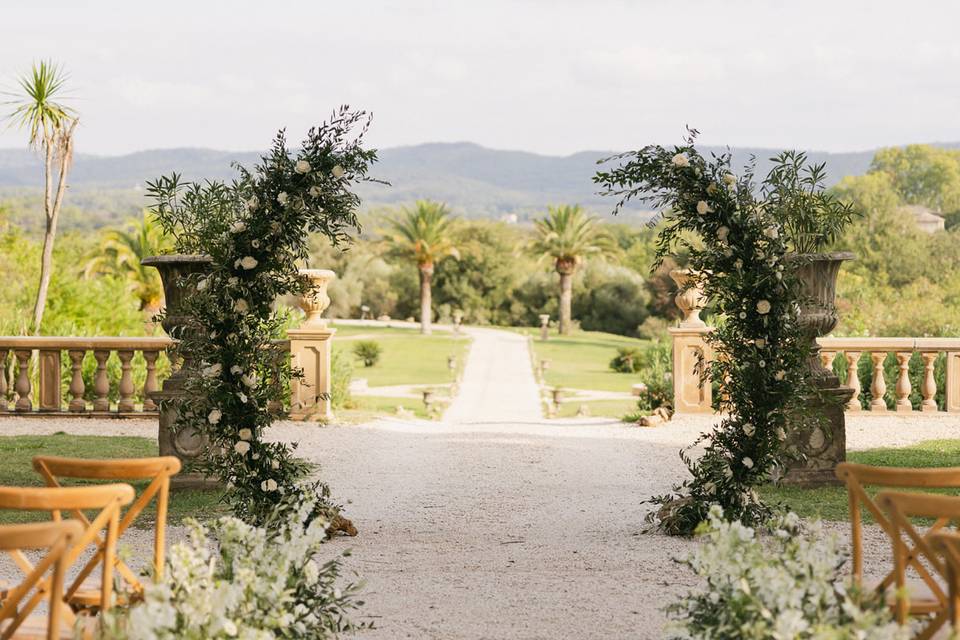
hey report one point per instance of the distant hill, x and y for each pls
(473, 180)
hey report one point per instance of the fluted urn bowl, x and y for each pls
(818, 301)
(175, 271)
(316, 300)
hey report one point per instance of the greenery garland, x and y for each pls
(739, 256)
(255, 229)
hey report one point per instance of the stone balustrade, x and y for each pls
(47, 398)
(878, 350)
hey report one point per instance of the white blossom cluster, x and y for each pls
(781, 584)
(240, 581)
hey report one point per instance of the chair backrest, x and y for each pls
(57, 538)
(947, 545)
(106, 499)
(158, 470)
(859, 476)
(913, 548)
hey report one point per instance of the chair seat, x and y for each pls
(88, 595)
(922, 598)
(35, 628)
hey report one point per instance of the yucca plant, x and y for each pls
(36, 107)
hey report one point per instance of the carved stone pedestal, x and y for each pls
(824, 446)
(689, 395)
(310, 350)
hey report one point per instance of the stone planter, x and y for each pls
(823, 444)
(185, 444)
(690, 299)
(316, 301)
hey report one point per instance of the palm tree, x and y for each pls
(424, 235)
(120, 253)
(51, 125)
(568, 236)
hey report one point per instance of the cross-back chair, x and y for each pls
(158, 470)
(16, 608)
(913, 548)
(947, 545)
(106, 499)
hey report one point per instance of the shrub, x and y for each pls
(235, 580)
(784, 584)
(341, 373)
(627, 360)
(368, 351)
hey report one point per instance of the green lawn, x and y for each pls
(406, 356)
(830, 503)
(606, 408)
(17, 453)
(581, 360)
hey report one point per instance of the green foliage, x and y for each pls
(341, 373)
(255, 232)
(922, 174)
(368, 351)
(568, 236)
(760, 347)
(423, 233)
(38, 108)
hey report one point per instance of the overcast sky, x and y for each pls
(552, 77)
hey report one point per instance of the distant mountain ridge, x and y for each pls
(475, 181)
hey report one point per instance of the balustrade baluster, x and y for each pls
(827, 358)
(4, 406)
(878, 387)
(126, 382)
(23, 380)
(101, 385)
(929, 387)
(902, 387)
(853, 380)
(77, 403)
(150, 385)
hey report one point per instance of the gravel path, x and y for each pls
(496, 523)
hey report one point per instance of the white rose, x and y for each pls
(248, 380)
(748, 463)
(748, 429)
(253, 203)
(233, 280)
(248, 262)
(302, 167)
(230, 627)
(203, 284)
(213, 370)
(337, 171)
(243, 397)
(763, 307)
(729, 179)
(680, 160)
(771, 232)
(722, 233)
(236, 370)
(214, 416)
(703, 207)
(245, 434)
(268, 485)
(242, 447)
(241, 306)
(780, 375)
(282, 197)
(712, 188)
(238, 226)
(760, 342)
(315, 191)
(275, 464)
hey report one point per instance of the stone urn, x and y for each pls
(690, 298)
(822, 442)
(175, 271)
(316, 301)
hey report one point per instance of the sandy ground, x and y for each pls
(496, 523)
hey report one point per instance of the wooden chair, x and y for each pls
(913, 549)
(859, 476)
(106, 499)
(157, 470)
(57, 538)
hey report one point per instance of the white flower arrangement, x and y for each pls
(763, 307)
(680, 160)
(302, 167)
(282, 197)
(235, 580)
(782, 582)
(337, 171)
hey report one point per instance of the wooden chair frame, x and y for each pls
(158, 470)
(57, 538)
(918, 547)
(107, 498)
(947, 544)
